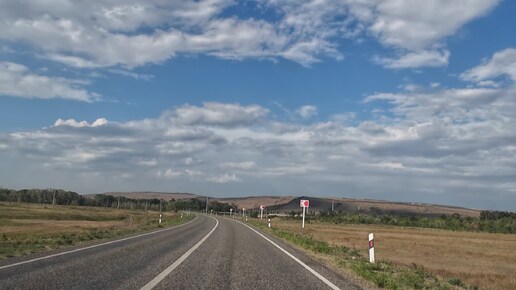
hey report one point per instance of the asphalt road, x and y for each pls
(208, 253)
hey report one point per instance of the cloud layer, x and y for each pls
(17, 80)
(443, 145)
(133, 33)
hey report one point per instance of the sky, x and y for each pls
(396, 100)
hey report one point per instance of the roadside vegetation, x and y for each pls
(29, 228)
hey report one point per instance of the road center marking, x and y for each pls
(94, 246)
(178, 262)
(321, 277)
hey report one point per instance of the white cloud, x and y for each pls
(343, 117)
(66, 34)
(417, 29)
(136, 76)
(389, 165)
(502, 63)
(307, 111)
(219, 114)
(245, 165)
(151, 162)
(100, 122)
(76, 124)
(226, 178)
(169, 173)
(134, 33)
(417, 59)
(17, 80)
(417, 25)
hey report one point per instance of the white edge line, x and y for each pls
(322, 278)
(178, 262)
(94, 246)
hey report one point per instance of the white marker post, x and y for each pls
(304, 203)
(160, 211)
(262, 207)
(371, 248)
(269, 223)
(230, 212)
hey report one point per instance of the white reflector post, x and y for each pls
(303, 225)
(371, 248)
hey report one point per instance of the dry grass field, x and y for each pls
(416, 208)
(29, 228)
(483, 259)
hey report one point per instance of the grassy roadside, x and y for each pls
(382, 274)
(29, 228)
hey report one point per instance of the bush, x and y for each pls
(456, 282)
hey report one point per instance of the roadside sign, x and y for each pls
(262, 207)
(304, 203)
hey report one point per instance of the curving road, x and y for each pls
(207, 253)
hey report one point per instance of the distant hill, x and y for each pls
(287, 204)
(255, 201)
(373, 206)
(150, 195)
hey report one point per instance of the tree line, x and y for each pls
(488, 221)
(62, 197)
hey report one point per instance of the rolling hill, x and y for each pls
(287, 204)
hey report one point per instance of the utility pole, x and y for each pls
(206, 204)
(54, 198)
(332, 205)
(118, 203)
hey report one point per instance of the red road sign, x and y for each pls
(304, 203)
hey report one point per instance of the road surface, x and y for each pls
(210, 252)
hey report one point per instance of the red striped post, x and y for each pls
(371, 248)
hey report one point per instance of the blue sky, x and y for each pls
(395, 99)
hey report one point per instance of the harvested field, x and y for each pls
(483, 259)
(29, 228)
